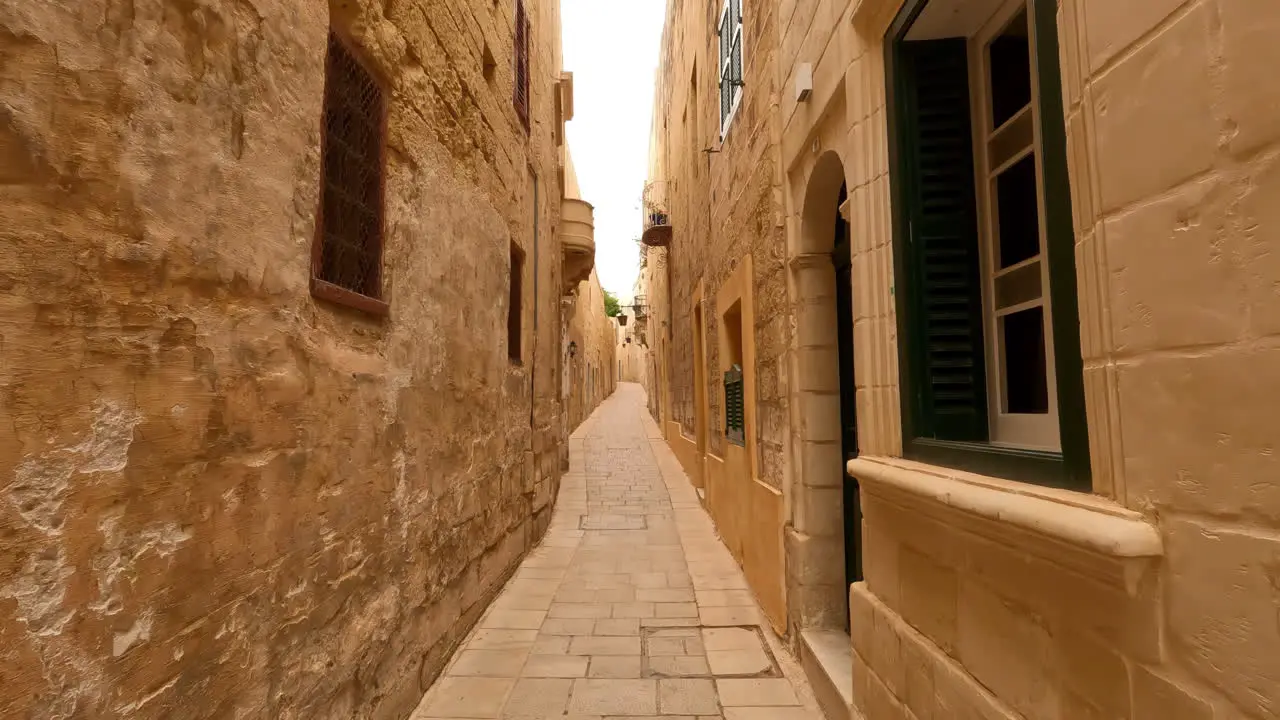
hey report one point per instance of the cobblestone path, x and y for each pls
(631, 607)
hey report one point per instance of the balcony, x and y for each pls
(657, 223)
(577, 241)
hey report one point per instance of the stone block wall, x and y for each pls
(1173, 147)
(220, 497)
(1173, 144)
(591, 373)
(1178, 306)
(724, 205)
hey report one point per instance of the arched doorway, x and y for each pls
(827, 508)
(842, 260)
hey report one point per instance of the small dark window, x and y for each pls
(520, 96)
(515, 308)
(1010, 71)
(1025, 365)
(1018, 212)
(348, 255)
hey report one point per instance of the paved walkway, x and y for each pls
(631, 607)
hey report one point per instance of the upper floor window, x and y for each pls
(347, 257)
(730, 32)
(987, 307)
(515, 306)
(520, 93)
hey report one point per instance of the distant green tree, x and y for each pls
(611, 306)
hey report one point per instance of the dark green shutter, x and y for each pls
(735, 418)
(950, 381)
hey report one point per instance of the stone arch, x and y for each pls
(819, 527)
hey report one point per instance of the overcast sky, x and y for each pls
(611, 48)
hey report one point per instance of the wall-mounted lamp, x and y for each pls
(573, 349)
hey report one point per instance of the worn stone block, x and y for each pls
(1251, 101)
(1204, 453)
(1157, 696)
(1222, 615)
(1008, 648)
(1196, 294)
(929, 597)
(1174, 109)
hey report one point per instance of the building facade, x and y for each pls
(1028, 288)
(631, 338)
(280, 290)
(720, 299)
(590, 353)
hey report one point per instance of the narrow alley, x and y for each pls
(630, 607)
(599, 360)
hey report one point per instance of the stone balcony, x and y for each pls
(577, 241)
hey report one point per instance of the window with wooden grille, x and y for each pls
(735, 423)
(515, 306)
(520, 93)
(347, 256)
(730, 36)
(986, 268)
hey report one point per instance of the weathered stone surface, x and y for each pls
(219, 496)
(1223, 614)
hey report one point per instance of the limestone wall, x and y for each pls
(630, 353)
(1152, 596)
(722, 192)
(653, 283)
(591, 372)
(723, 206)
(220, 497)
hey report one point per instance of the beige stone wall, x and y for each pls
(1152, 597)
(653, 283)
(728, 236)
(630, 353)
(590, 374)
(220, 497)
(723, 206)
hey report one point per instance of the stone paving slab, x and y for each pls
(630, 609)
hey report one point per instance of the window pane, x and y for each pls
(725, 37)
(1010, 71)
(735, 65)
(1026, 387)
(1018, 212)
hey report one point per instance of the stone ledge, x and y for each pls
(872, 17)
(827, 659)
(1090, 534)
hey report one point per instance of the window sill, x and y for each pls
(329, 292)
(1075, 529)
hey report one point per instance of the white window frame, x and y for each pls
(1020, 430)
(726, 59)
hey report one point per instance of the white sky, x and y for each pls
(611, 47)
